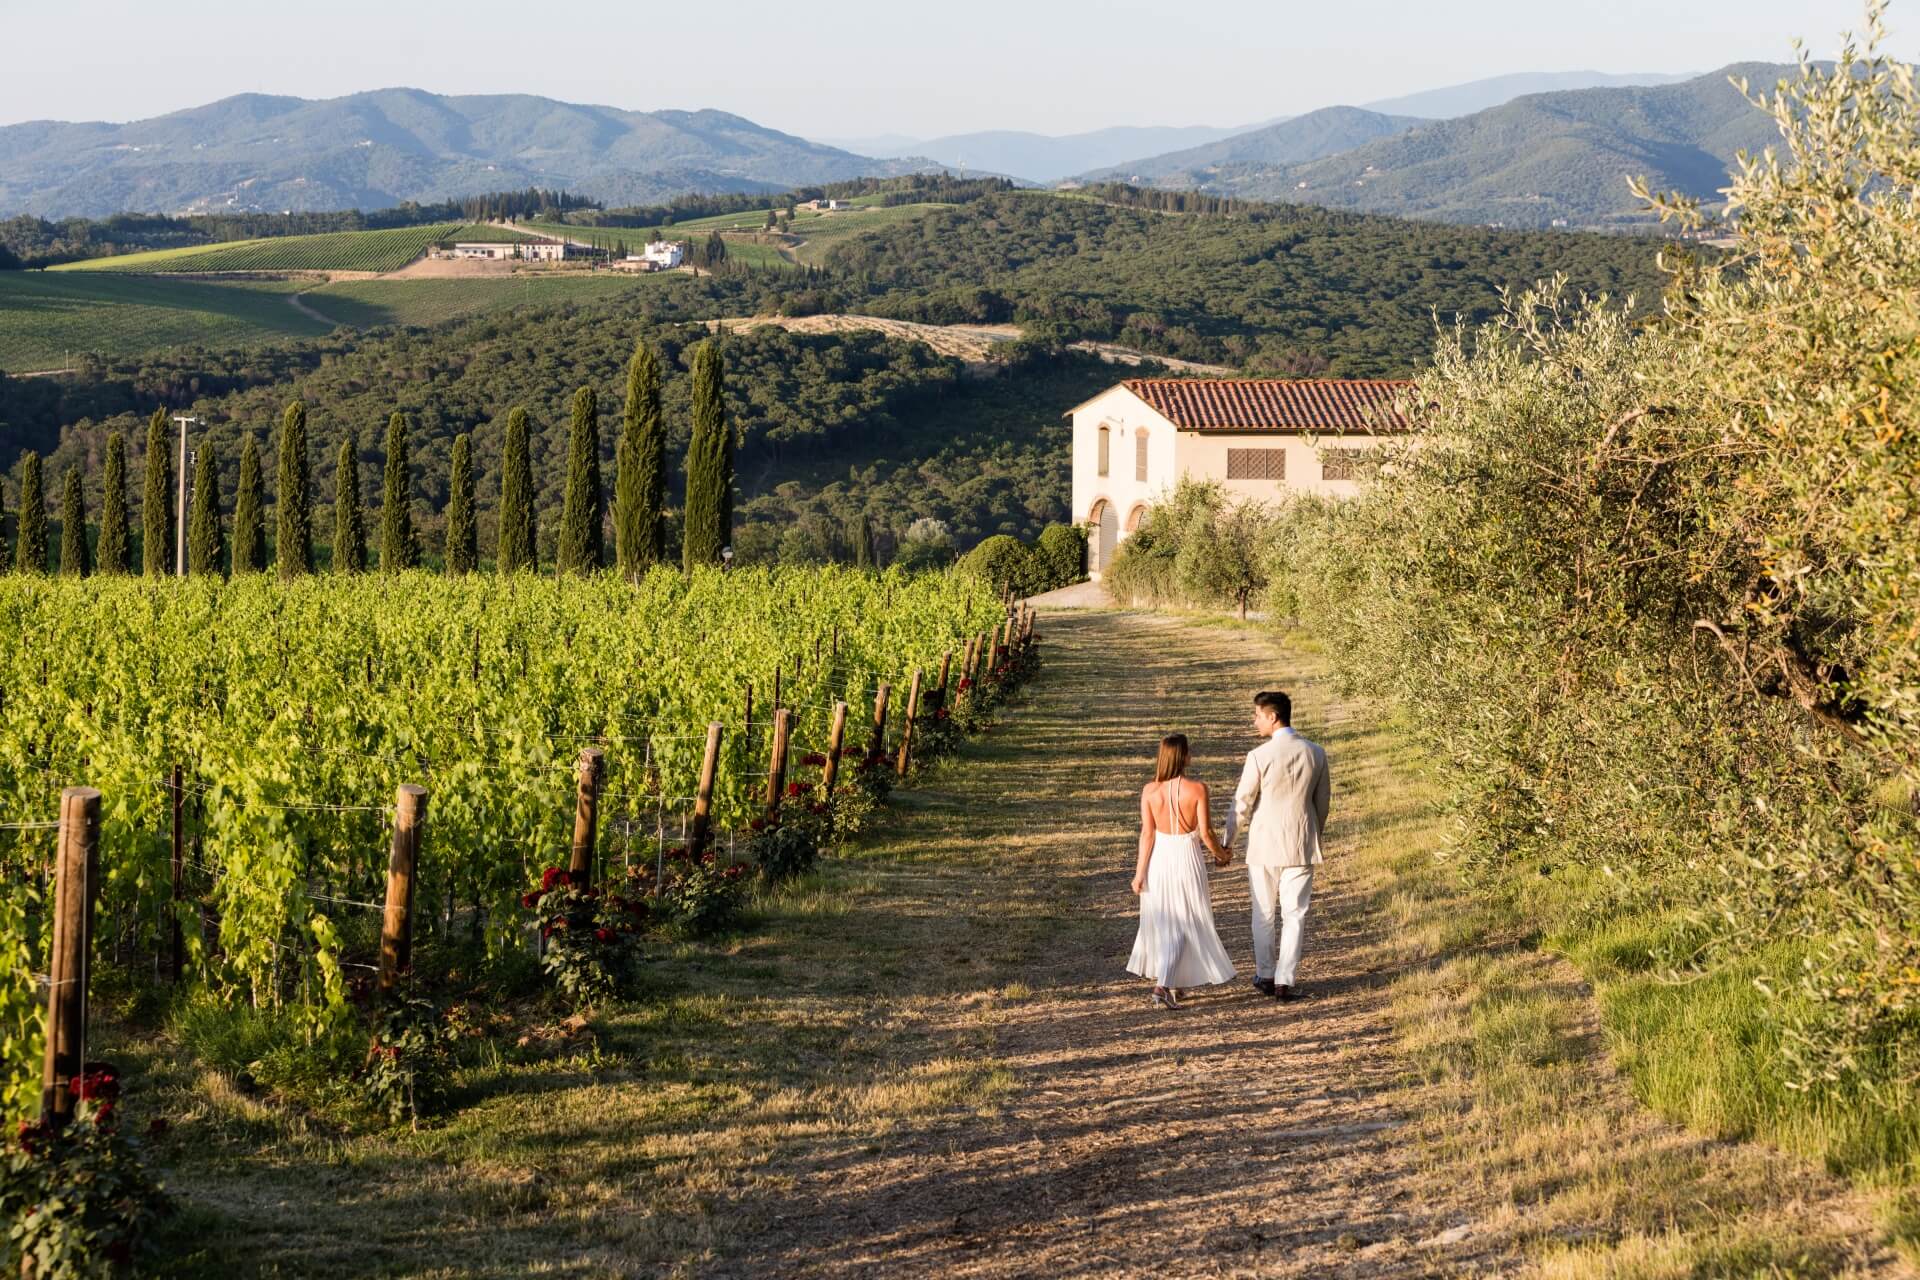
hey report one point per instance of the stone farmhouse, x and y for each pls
(1260, 437)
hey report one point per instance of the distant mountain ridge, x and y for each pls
(386, 146)
(1479, 95)
(1039, 157)
(1325, 132)
(1546, 159)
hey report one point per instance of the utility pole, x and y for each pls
(180, 505)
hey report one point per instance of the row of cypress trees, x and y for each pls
(639, 524)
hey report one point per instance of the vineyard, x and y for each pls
(365, 303)
(292, 711)
(335, 251)
(45, 319)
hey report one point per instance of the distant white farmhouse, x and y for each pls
(525, 250)
(665, 254)
(827, 205)
(1262, 437)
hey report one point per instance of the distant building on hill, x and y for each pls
(827, 205)
(665, 254)
(525, 250)
(1261, 437)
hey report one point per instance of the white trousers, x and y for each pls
(1280, 897)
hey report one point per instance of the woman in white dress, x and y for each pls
(1177, 946)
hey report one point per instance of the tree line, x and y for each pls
(222, 539)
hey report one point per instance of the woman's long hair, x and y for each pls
(1172, 762)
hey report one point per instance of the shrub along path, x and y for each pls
(927, 1060)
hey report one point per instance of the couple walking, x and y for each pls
(1281, 803)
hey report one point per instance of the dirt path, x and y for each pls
(298, 302)
(970, 342)
(1235, 1137)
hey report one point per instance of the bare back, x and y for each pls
(1176, 807)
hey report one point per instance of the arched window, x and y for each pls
(1104, 434)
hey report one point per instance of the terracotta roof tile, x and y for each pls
(1274, 404)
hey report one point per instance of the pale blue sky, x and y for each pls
(841, 68)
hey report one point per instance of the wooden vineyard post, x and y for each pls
(966, 665)
(946, 664)
(984, 656)
(703, 796)
(586, 814)
(177, 944)
(396, 924)
(830, 772)
(777, 761)
(877, 744)
(776, 686)
(76, 879)
(906, 725)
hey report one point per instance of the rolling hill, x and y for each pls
(1542, 160)
(382, 148)
(1325, 132)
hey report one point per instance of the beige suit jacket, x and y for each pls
(1282, 802)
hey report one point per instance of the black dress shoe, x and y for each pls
(1264, 986)
(1286, 993)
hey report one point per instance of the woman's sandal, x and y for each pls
(1165, 999)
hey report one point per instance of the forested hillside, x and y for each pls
(828, 425)
(1271, 288)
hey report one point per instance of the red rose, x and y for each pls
(101, 1085)
(530, 900)
(603, 935)
(552, 877)
(706, 859)
(758, 824)
(797, 789)
(813, 759)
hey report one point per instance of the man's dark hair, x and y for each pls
(1278, 703)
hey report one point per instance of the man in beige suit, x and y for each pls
(1282, 804)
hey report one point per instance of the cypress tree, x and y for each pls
(293, 499)
(463, 543)
(156, 501)
(640, 488)
(115, 556)
(517, 549)
(349, 522)
(249, 515)
(6, 548)
(74, 560)
(581, 515)
(709, 513)
(33, 517)
(863, 541)
(399, 544)
(206, 542)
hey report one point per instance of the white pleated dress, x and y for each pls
(1177, 945)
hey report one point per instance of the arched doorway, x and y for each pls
(1103, 535)
(1135, 516)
